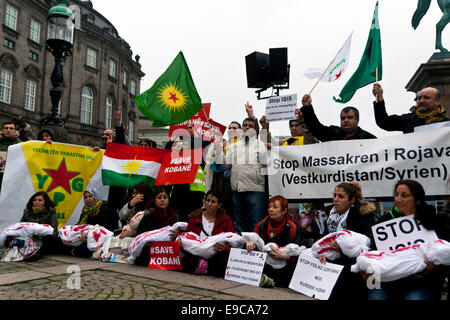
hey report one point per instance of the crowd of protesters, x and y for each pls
(232, 196)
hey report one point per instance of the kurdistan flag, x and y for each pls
(62, 170)
(370, 67)
(173, 98)
(127, 166)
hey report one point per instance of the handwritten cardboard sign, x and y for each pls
(313, 278)
(245, 267)
(281, 108)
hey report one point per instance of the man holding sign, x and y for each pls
(410, 201)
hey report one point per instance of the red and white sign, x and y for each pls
(207, 130)
(179, 167)
(165, 255)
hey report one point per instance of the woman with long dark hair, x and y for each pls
(409, 199)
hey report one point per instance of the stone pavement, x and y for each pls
(55, 277)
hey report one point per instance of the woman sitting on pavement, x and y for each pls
(210, 220)
(157, 217)
(142, 199)
(40, 209)
(409, 198)
(278, 228)
(350, 212)
(94, 212)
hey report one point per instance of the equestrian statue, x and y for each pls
(422, 8)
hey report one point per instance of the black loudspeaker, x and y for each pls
(257, 65)
(278, 62)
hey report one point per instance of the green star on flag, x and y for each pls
(370, 67)
(173, 97)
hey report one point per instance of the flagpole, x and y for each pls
(321, 77)
(376, 80)
(329, 65)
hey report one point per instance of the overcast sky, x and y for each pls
(216, 35)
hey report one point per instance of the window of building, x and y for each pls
(35, 31)
(124, 81)
(5, 86)
(108, 112)
(133, 87)
(87, 100)
(91, 58)
(11, 17)
(131, 130)
(9, 44)
(112, 68)
(90, 18)
(30, 94)
(33, 56)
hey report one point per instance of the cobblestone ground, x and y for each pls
(95, 285)
(101, 285)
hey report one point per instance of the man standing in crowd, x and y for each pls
(9, 136)
(428, 109)
(349, 129)
(247, 160)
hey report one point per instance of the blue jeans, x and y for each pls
(418, 294)
(249, 209)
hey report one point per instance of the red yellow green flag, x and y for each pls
(173, 98)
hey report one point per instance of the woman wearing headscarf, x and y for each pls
(94, 212)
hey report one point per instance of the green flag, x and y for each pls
(370, 62)
(173, 98)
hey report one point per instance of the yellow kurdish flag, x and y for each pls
(62, 170)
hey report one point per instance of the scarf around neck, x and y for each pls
(38, 210)
(437, 115)
(90, 212)
(274, 228)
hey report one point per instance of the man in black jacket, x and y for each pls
(349, 129)
(428, 109)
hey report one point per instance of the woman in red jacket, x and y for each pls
(208, 221)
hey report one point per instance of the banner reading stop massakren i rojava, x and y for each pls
(62, 170)
(313, 171)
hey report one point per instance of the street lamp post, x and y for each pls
(59, 42)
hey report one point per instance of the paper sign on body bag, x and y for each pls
(401, 232)
(313, 278)
(114, 250)
(245, 267)
(165, 255)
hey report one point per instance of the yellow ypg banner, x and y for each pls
(62, 170)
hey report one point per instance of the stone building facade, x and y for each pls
(100, 76)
